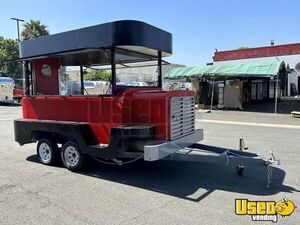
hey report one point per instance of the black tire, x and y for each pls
(47, 151)
(71, 156)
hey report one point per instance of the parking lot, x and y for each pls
(163, 192)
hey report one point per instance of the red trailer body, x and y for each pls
(130, 106)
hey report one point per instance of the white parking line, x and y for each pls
(7, 119)
(287, 126)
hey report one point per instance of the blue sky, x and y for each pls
(198, 27)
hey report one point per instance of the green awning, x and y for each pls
(264, 68)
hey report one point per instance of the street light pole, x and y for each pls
(18, 20)
(18, 29)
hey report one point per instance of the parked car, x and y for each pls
(137, 84)
(91, 87)
(73, 87)
(7, 85)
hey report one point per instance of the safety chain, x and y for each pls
(269, 174)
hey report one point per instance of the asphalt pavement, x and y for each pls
(163, 192)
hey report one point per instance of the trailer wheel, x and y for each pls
(71, 156)
(47, 151)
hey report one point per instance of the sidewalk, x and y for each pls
(259, 113)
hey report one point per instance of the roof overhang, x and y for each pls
(259, 69)
(135, 36)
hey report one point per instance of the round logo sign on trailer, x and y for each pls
(46, 70)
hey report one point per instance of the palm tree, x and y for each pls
(34, 29)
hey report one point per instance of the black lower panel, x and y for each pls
(123, 138)
(27, 131)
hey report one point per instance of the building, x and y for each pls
(237, 84)
(289, 53)
(73, 74)
(143, 72)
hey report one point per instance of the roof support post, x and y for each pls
(30, 66)
(113, 71)
(26, 78)
(212, 94)
(276, 94)
(159, 70)
(81, 80)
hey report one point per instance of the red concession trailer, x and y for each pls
(129, 123)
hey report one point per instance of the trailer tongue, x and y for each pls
(212, 154)
(127, 123)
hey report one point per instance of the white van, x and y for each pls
(6, 89)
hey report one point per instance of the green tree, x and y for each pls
(97, 75)
(9, 50)
(242, 47)
(34, 29)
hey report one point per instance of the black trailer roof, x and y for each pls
(135, 36)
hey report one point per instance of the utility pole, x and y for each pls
(18, 29)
